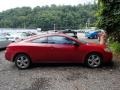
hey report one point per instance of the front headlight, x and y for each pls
(107, 49)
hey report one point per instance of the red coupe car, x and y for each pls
(56, 48)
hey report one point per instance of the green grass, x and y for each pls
(115, 47)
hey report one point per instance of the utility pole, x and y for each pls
(54, 27)
(24, 25)
(88, 23)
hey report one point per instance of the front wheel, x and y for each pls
(93, 60)
(22, 61)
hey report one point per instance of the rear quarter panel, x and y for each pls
(13, 50)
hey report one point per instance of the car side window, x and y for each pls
(60, 40)
(40, 40)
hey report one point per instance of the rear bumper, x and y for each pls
(8, 55)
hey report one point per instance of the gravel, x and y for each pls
(59, 77)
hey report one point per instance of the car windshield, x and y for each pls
(18, 34)
(2, 37)
(24, 34)
(93, 31)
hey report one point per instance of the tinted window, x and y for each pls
(40, 40)
(59, 40)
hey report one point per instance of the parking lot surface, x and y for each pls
(59, 77)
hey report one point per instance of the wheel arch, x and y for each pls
(93, 52)
(90, 53)
(21, 53)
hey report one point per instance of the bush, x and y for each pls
(115, 47)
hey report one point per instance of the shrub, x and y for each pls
(115, 47)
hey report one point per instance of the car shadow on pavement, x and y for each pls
(56, 65)
(35, 65)
(109, 65)
(2, 49)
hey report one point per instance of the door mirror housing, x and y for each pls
(76, 44)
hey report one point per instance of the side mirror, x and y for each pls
(76, 44)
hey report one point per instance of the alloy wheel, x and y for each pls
(94, 60)
(22, 61)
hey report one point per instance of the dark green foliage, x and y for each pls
(109, 17)
(115, 47)
(64, 17)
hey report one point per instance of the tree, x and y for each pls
(109, 18)
(64, 17)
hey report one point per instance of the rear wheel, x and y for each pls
(93, 60)
(22, 61)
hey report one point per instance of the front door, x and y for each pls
(63, 49)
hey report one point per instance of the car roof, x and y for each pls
(49, 34)
(53, 34)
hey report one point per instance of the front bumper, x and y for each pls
(108, 57)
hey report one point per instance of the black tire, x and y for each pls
(22, 61)
(93, 60)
